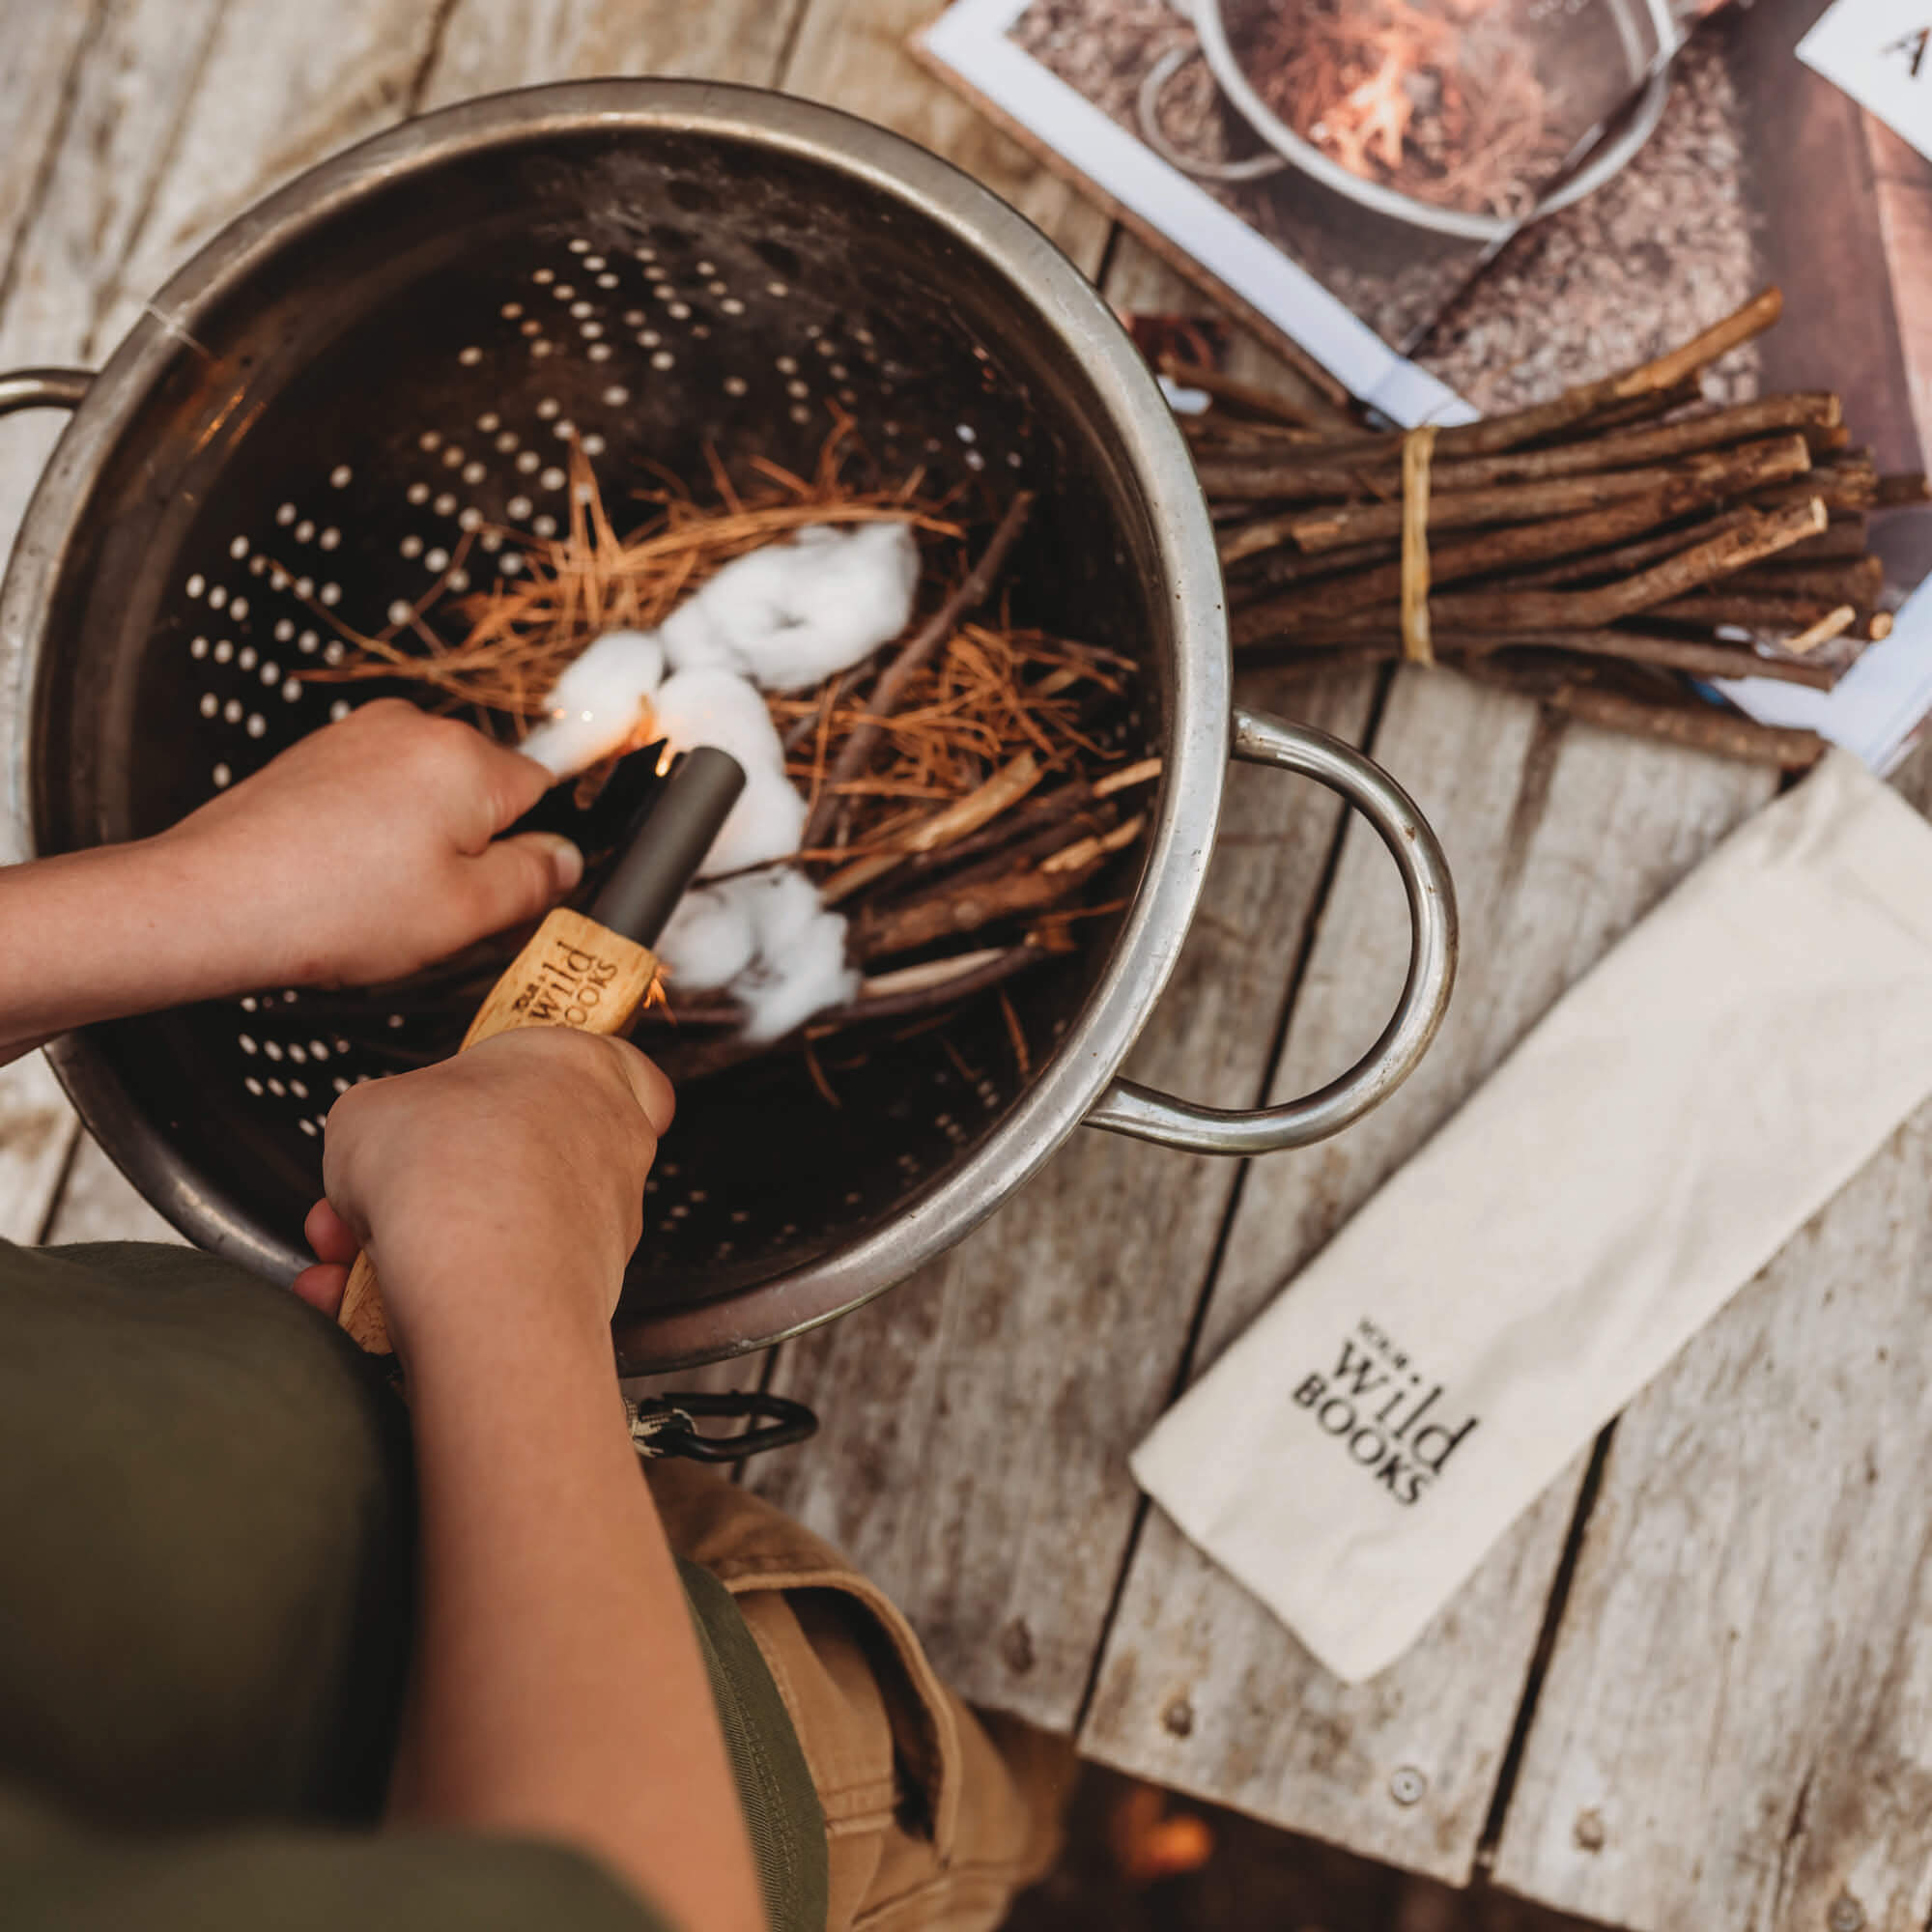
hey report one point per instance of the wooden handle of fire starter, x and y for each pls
(573, 973)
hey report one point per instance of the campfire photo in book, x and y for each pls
(1439, 100)
(1335, 170)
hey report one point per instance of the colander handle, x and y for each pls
(43, 389)
(1130, 1109)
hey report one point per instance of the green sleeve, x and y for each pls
(54, 1879)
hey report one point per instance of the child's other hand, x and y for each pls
(370, 850)
(501, 1188)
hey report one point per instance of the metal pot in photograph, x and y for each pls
(1642, 30)
(379, 357)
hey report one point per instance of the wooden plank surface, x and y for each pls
(97, 1203)
(37, 1136)
(1736, 1727)
(122, 107)
(852, 55)
(278, 89)
(45, 43)
(1559, 838)
(489, 44)
(84, 92)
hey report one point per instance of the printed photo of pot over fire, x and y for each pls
(1379, 151)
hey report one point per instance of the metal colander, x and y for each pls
(402, 348)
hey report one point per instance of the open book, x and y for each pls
(1463, 206)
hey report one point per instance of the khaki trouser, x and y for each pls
(931, 1823)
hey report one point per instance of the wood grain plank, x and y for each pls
(99, 1203)
(1736, 1727)
(488, 44)
(45, 40)
(975, 1420)
(116, 111)
(37, 1134)
(1559, 838)
(125, 105)
(852, 53)
(281, 88)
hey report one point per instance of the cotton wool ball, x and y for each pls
(766, 937)
(792, 613)
(593, 707)
(799, 968)
(709, 940)
(709, 706)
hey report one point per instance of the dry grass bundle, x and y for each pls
(516, 637)
(991, 696)
(963, 780)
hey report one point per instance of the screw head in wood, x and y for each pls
(1408, 1785)
(1846, 1914)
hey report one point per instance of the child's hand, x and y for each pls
(501, 1188)
(369, 849)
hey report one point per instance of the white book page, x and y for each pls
(1880, 52)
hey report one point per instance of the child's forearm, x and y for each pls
(365, 851)
(558, 1687)
(117, 931)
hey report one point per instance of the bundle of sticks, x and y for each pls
(969, 783)
(1600, 552)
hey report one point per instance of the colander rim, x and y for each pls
(1197, 697)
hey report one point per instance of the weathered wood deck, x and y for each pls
(1693, 1687)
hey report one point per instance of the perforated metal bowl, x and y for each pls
(398, 349)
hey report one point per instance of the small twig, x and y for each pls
(1787, 615)
(1143, 772)
(1015, 1033)
(1602, 565)
(1078, 856)
(949, 909)
(1702, 726)
(1315, 404)
(929, 972)
(940, 995)
(802, 728)
(1689, 657)
(1578, 405)
(1040, 821)
(1359, 602)
(1779, 458)
(1299, 478)
(894, 680)
(1005, 788)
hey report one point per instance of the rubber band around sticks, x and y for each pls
(1418, 447)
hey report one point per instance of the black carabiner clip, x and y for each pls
(667, 1425)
